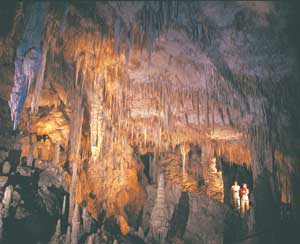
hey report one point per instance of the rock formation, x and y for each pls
(87, 221)
(68, 235)
(75, 225)
(97, 98)
(159, 217)
(7, 196)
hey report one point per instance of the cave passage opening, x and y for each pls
(235, 172)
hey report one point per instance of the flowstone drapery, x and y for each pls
(28, 60)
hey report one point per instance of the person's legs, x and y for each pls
(247, 207)
(237, 203)
(242, 206)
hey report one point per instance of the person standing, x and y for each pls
(235, 192)
(244, 192)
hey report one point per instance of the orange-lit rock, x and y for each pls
(125, 229)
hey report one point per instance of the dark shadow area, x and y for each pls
(14, 158)
(146, 161)
(179, 219)
(7, 14)
(30, 222)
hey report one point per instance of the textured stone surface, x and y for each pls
(159, 221)
(206, 220)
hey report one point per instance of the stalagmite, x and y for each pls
(87, 220)
(58, 228)
(75, 225)
(7, 196)
(57, 233)
(215, 182)
(90, 239)
(159, 217)
(68, 235)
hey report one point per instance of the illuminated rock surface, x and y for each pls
(127, 122)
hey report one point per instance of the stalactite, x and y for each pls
(97, 124)
(28, 59)
(118, 32)
(64, 22)
(150, 33)
(185, 148)
(39, 80)
(129, 41)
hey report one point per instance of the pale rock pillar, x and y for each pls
(7, 196)
(159, 221)
(75, 225)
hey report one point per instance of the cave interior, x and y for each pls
(129, 121)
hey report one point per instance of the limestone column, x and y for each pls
(159, 221)
(75, 143)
